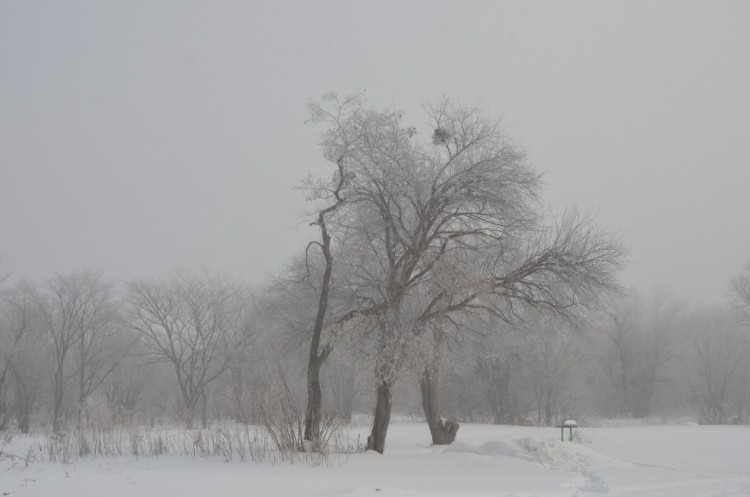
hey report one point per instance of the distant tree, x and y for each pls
(22, 357)
(528, 372)
(341, 376)
(740, 293)
(101, 346)
(73, 311)
(717, 380)
(131, 376)
(641, 342)
(197, 324)
(557, 356)
(12, 329)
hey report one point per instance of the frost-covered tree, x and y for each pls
(444, 223)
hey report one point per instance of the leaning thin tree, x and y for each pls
(317, 357)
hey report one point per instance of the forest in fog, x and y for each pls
(438, 286)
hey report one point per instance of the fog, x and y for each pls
(288, 217)
(136, 137)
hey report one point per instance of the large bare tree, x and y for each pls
(459, 208)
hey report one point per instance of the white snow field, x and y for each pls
(651, 461)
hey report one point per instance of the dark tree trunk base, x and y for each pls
(376, 440)
(443, 432)
(314, 405)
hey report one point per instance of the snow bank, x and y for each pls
(487, 461)
(550, 453)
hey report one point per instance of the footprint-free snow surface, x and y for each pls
(663, 461)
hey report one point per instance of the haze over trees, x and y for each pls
(196, 324)
(437, 285)
(740, 293)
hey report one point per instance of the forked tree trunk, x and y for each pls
(383, 405)
(317, 358)
(443, 433)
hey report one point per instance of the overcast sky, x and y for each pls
(136, 136)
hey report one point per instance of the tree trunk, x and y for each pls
(314, 402)
(235, 376)
(376, 440)
(316, 361)
(4, 415)
(548, 409)
(317, 358)
(204, 410)
(81, 422)
(24, 421)
(24, 407)
(443, 433)
(190, 414)
(57, 414)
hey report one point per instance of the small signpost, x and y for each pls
(569, 424)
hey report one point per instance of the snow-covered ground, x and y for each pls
(663, 461)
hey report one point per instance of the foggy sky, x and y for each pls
(140, 136)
